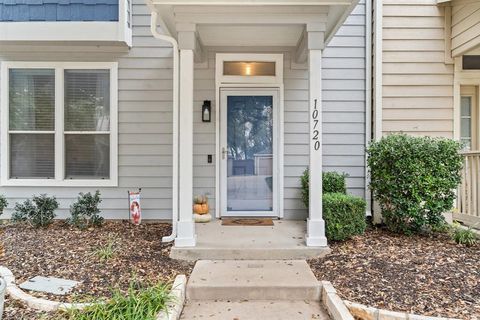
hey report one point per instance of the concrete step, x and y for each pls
(254, 310)
(253, 280)
(252, 253)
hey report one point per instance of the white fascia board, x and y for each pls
(63, 31)
(253, 2)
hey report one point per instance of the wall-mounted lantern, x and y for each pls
(207, 111)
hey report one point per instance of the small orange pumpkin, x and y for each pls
(200, 208)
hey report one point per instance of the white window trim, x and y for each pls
(59, 125)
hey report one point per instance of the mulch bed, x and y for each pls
(65, 252)
(429, 275)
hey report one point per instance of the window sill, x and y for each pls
(59, 183)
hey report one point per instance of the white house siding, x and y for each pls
(343, 117)
(145, 119)
(465, 26)
(417, 83)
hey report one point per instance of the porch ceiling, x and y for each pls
(252, 22)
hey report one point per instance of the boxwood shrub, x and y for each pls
(344, 216)
(414, 180)
(332, 182)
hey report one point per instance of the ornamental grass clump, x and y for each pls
(85, 212)
(463, 236)
(413, 179)
(38, 212)
(138, 303)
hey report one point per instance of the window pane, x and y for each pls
(87, 100)
(32, 99)
(471, 62)
(466, 105)
(32, 156)
(465, 126)
(87, 156)
(238, 68)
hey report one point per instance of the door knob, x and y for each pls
(224, 153)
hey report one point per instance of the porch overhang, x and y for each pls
(251, 23)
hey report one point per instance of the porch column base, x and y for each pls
(186, 236)
(315, 236)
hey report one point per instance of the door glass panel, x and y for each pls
(250, 153)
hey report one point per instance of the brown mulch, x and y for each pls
(429, 275)
(65, 252)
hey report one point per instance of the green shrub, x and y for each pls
(332, 182)
(39, 212)
(463, 236)
(414, 180)
(344, 216)
(3, 203)
(85, 212)
(136, 304)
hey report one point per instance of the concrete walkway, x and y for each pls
(253, 289)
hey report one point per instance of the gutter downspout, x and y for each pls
(368, 95)
(174, 43)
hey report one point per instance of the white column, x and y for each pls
(186, 226)
(315, 224)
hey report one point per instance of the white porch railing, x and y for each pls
(468, 196)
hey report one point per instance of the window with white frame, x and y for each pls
(469, 117)
(60, 125)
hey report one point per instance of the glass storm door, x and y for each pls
(248, 152)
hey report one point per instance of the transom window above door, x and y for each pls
(59, 124)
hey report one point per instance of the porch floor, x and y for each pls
(283, 241)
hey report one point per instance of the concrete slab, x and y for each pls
(283, 241)
(49, 285)
(253, 280)
(254, 310)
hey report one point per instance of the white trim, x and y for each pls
(279, 85)
(378, 69)
(368, 99)
(249, 91)
(66, 31)
(59, 180)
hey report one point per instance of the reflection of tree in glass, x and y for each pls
(87, 99)
(32, 99)
(250, 125)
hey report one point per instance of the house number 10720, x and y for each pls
(315, 133)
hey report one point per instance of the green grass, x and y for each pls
(107, 251)
(136, 304)
(463, 236)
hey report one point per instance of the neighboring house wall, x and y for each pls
(59, 10)
(417, 83)
(145, 118)
(465, 27)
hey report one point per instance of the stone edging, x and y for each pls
(33, 302)
(369, 313)
(333, 303)
(173, 312)
(175, 306)
(345, 310)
